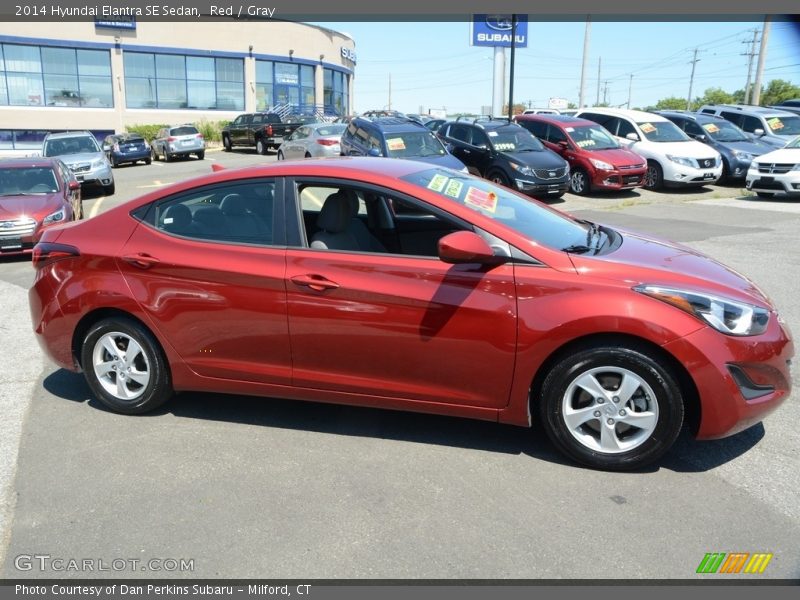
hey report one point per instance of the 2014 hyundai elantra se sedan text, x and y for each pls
(400, 285)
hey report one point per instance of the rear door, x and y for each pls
(208, 267)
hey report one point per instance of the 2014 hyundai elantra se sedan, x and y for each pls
(400, 285)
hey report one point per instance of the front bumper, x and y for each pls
(729, 402)
(618, 179)
(95, 176)
(677, 175)
(787, 183)
(542, 190)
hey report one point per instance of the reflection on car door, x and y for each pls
(409, 326)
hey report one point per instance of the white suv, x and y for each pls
(673, 158)
(776, 172)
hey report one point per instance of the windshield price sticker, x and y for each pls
(647, 127)
(505, 147)
(438, 182)
(482, 200)
(711, 128)
(395, 144)
(584, 143)
(569, 129)
(454, 188)
(492, 133)
(775, 123)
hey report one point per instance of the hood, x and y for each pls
(690, 149)
(787, 156)
(543, 159)
(752, 146)
(448, 161)
(619, 157)
(83, 157)
(36, 206)
(649, 260)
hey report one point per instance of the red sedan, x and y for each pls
(400, 285)
(35, 193)
(597, 162)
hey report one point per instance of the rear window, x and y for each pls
(413, 143)
(185, 130)
(332, 130)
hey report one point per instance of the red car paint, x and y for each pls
(395, 331)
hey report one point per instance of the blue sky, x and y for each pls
(433, 65)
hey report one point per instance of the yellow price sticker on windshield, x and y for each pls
(454, 188)
(584, 143)
(711, 128)
(775, 123)
(438, 182)
(395, 144)
(647, 127)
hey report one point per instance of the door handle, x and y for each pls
(141, 260)
(315, 282)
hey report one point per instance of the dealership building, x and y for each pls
(103, 76)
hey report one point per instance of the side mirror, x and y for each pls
(759, 132)
(373, 152)
(700, 137)
(463, 247)
(74, 185)
(106, 147)
(563, 144)
(632, 136)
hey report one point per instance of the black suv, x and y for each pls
(508, 154)
(396, 137)
(737, 148)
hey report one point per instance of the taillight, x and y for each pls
(116, 147)
(172, 139)
(324, 142)
(268, 130)
(45, 253)
(199, 135)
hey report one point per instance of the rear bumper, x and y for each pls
(739, 380)
(131, 156)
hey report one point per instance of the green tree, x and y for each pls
(715, 95)
(777, 91)
(671, 103)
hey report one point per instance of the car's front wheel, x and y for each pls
(226, 143)
(654, 176)
(579, 182)
(612, 407)
(125, 367)
(499, 177)
(261, 147)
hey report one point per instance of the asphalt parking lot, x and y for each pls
(250, 487)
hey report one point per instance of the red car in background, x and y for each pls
(35, 193)
(398, 284)
(596, 160)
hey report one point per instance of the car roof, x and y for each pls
(636, 115)
(764, 111)
(692, 116)
(21, 163)
(565, 120)
(68, 134)
(394, 124)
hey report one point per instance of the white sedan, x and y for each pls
(776, 172)
(313, 140)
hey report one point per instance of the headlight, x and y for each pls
(465, 170)
(682, 160)
(525, 170)
(599, 164)
(55, 217)
(99, 163)
(727, 316)
(743, 155)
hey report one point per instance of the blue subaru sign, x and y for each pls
(495, 30)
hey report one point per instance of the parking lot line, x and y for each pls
(156, 183)
(96, 206)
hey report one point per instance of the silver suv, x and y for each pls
(80, 151)
(771, 125)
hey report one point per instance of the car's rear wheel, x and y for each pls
(579, 182)
(125, 367)
(147, 161)
(261, 147)
(153, 153)
(654, 176)
(201, 155)
(308, 155)
(765, 194)
(499, 177)
(612, 407)
(167, 156)
(280, 155)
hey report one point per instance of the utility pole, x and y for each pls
(762, 55)
(599, 63)
(751, 54)
(691, 81)
(588, 31)
(630, 87)
(605, 92)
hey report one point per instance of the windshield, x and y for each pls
(331, 130)
(75, 145)
(33, 180)
(413, 143)
(795, 143)
(662, 131)
(513, 138)
(592, 137)
(784, 125)
(524, 215)
(724, 131)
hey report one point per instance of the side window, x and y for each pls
(735, 118)
(603, 120)
(555, 135)
(460, 133)
(238, 121)
(258, 119)
(479, 138)
(708, 111)
(693, 128)
(231, 212)
(247, 119)
(624, 128)
(750, 124)
(537, 128)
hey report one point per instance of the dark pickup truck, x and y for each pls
(260, 130)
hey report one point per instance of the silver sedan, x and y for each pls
(313, 140)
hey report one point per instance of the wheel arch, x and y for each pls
(689, 392)
(95, 316)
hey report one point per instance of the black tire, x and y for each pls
(149, 386)
(113, 161)
(108, 190)
(153, 154)
(147, 161)
(726, 173)
(226, 143)
(579, 182)
(280, 155)
(167, 156)
(661, 415)
(308, 155)
(765, 194)
(654, 176)
(201, 155)
(261, 147)
(80, 210)
(498, 177)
